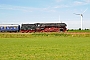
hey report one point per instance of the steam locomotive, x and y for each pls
(36, 27)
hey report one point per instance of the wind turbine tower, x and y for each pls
(60, 19)
(81, 18)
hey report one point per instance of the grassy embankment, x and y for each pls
(29, 35)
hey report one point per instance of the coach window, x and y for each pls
(11, 27)
(15, 27)
(2, 27)
(7, 27)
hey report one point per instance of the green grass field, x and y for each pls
(45, 48)
(79, 31)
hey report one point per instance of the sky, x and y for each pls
(45, 11)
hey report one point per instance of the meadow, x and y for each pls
(77, 30)
(45, 48)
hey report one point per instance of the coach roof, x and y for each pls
(9, 24)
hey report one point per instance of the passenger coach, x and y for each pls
(9, 27)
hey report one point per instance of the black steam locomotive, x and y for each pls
(44, 27)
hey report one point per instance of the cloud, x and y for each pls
(79, 3)
(84, 2)
(66, 3)
(26, 9)
(88, 1)
(61, 6)
(58, 0)
(16, 8)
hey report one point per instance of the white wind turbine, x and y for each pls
(60, 19)
(81, 18)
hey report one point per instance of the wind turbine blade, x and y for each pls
(84, 11)
(76, 14)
